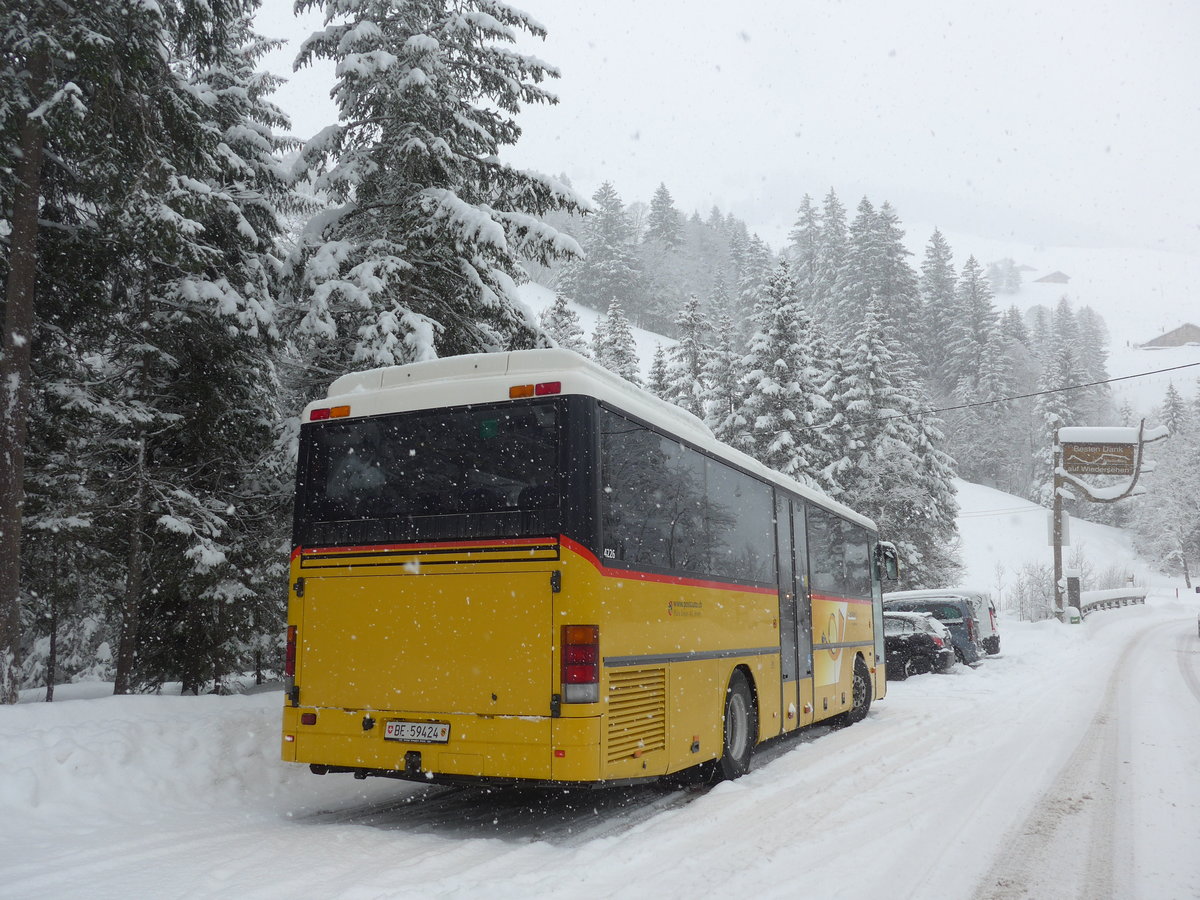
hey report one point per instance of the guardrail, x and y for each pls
(1090, 601)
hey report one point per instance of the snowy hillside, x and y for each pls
(1001, 533)
(173, 797)
(1141, 294)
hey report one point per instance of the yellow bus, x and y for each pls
(517, 567)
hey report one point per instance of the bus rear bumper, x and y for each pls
(484, 748)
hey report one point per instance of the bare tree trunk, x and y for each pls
(218, 663)
(52, 657)
(15, 374)
(135, 563)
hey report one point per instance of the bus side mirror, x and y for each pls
(887, 561)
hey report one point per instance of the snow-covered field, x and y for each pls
(1064, 767)
(1001, 532)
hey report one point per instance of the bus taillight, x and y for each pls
(289, 660)
(581, 663)
(329, 412)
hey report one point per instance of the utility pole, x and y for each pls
(1060, 607)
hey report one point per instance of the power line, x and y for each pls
(1073, 387)
(1009, 511)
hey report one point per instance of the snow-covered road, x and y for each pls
(1068, 766)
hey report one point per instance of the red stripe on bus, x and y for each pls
(607, 572)
(436, 545)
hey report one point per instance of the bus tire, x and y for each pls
(861, 693)
(739, 728)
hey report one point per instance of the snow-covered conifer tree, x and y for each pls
(609, 266)
(656, 382)
(1167, 519)
(662, 222)
(891, 465)
(805, 247)
(723, 372)
(1092, 334)
(1174, 412)
(1055, 409)
(781, 384)
(207, 490)
(613, 345)
(664, 263)
(899, 292)
(562, 323)
(831, 257)
(1012, 326)
(1040, 326)
(421, 255)
(684, 381)
(973, 327)
(859, 282)
(753, 280)
(937, 285)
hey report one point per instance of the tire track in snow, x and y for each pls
(1189, 657)
(1069, 844)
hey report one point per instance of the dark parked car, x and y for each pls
(915, 643)
(958, 614)
(988, 634)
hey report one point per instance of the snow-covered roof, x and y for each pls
(1114, 434)
(907, 616)
(934, 593)
(922, 620)
(487, 377)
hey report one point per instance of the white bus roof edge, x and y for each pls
(460, 380)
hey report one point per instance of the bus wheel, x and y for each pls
(862, 693)
(740, 730)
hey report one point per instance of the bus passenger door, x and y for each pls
(804, 649)
(795, 637)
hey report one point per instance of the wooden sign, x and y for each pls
(1098, 459)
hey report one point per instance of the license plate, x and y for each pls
(417, 732)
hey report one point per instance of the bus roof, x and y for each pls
(486, 378)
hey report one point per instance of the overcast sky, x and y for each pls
(1065, 122)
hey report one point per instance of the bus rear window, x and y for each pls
(466, 463)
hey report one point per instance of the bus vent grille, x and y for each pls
(637, 712)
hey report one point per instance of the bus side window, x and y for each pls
(857, 550)
(739, 524)
(826, 552)
(633, 475)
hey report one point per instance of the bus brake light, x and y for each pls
(581, 663)
(289, 662)
(543, 389)
(328, 412)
